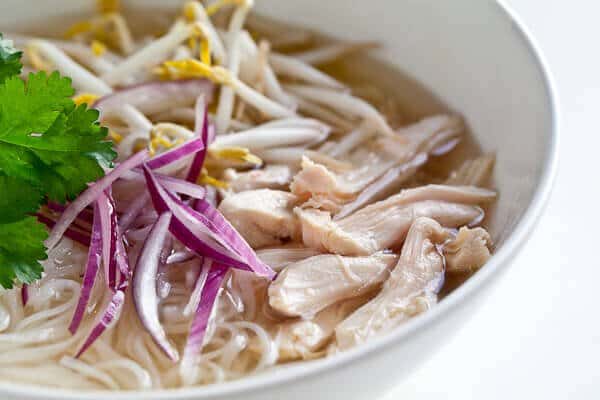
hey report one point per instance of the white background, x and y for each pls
(538, 335)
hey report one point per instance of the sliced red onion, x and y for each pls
(90, 195)
(204, 245)
(166, 251)
(120, 257)
(163, 286)
(203, 225)
(212, 133)
(86, 215)
(138, 235)
(211, 196)
(112, 311)
(183, 187)
(378, 188)
(210, 291)
(73, 234)
(56, 206)
(179, 257)
(223, 229)
(144, 285)
(186, 228)
(132, 211)
(24, 294)
(172, 184)
(202, 129)
(153, 97)
(194, 301)
(176, 154)
(108, 225)
(110, 315)
(81, 226)
(91, 272)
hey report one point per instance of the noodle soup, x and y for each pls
(273, 201)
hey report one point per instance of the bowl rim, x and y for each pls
(475, 284)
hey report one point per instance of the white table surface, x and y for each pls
(538, 334)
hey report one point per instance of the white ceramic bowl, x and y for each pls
(478, 59)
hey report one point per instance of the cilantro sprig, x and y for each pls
(50, 149)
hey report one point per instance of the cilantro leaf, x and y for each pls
(21, 248)
(62, 147)
(32, 107)
(49, 149)
(10, 59)
(17, 199)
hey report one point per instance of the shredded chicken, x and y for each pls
(308, 286)
(385, 186)
(473, 172)
(373, 160)
(263, 217)
(270, 177)
(468, 251)
(410, 289)
(317, 184)
(306, 339)
(384, 225)
(282, 256)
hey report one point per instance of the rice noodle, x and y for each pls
(89, 372)
(106, 366)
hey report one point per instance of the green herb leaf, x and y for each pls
(17, 199)
(49, 149)
(21, 248)
(60, 147)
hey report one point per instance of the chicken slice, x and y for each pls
(333, 189)
(318, 186)
(264, 217)
(473, 172)
(411, 288)
(384, 224)
(468, 251)
(270, 177)
(280, 257)
(306, 339)
(308, 286)
(385, 186)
